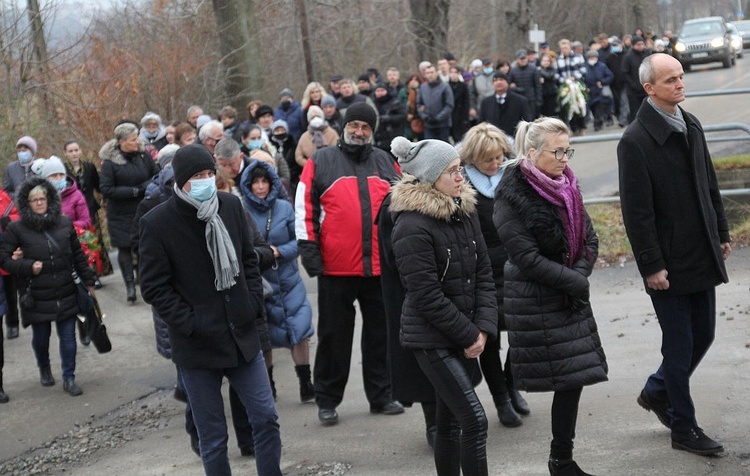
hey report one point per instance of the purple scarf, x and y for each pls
(563, 193)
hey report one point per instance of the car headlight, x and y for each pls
(717, 42)
(736, 42)
(680, 47)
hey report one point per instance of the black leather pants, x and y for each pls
(460, 444)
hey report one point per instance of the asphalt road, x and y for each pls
(614, 435)
(595, 164)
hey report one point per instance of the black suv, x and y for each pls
(704, 40)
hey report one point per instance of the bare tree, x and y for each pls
(241, 52)
(429, 23)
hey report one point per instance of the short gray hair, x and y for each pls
(226, 148)
(194, 108)
(125, 130)
(646, 72)
(208, 127)
(38, 190)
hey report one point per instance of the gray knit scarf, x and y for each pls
(219, 245)
(675, 121)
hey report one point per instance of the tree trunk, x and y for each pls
(516, 26)
(638, 14)
(40, 56)
(429, 24)
(240, 49)
(306, 50)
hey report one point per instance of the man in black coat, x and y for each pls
(676, 224)
(630, 64)
(525, 80)
(199, 271)
(504, 109)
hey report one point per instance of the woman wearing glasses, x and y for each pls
(552, 248)
(449, 310)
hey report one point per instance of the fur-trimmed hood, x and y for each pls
(111, 151)
(36, 222)
(410, 195)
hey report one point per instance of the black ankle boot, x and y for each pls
(45, 376)
(82, 335)
(3, 396)
(519, 403)
(273, 384)
(430, 422)
(306, 388)
(508, 416)
(126, 268)
(565, 467)
(130, 288)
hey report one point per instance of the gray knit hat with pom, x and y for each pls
(426, 159)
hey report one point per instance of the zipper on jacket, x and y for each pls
(447, 263)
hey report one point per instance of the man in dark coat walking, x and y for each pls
(199, 270)
(630, 64)
(676, 224)
(504, 109)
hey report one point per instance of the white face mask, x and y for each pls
(317, 122)
(593, 61)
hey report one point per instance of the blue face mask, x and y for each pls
(202, 189)
(255, 144)
(488, 70)
(151, 135)
(59, 184)
(616, 49)
(24, 156)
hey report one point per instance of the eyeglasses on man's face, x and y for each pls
(560, 153)
(357, 126)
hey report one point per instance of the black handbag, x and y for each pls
(88, 309)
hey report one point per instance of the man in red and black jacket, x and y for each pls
(338, 197)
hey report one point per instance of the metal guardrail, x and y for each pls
(717, 92)
(734, 192)
(729, 126)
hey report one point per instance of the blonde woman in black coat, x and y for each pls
(552, 248)
(449, 311)
(48, 293)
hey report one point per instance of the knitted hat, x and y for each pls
(286, 92)
(279, 123)
(364, 77)
(361, 111)
(29, 142)
(52, 166)
(592, 54)
(263, 110)
(202, 120)
(637, 38)
(189, 160)
(328, 100)
(151, 116)
(166, 154)
(381, 85)
(477, 63)
(426, 159)
(314, 111)
(37, 166)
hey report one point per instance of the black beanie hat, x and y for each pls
(361, 111)
(189, 160)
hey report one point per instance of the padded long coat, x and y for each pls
(552, 346)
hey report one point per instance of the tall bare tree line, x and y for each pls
(168, 54)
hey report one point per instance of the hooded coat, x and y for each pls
(443, 263)
(288, 311)
(123, 183)
(52, 290)
(553, 344)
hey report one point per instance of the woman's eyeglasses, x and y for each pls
(560, 153)
(454, 172)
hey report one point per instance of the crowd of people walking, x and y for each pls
(445, 204)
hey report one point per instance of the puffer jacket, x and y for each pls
(553, 337)
(74, 205)
(444, 266)
(288, 311)
(123, 183)
(52, 290)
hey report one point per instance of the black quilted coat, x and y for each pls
(53, 290)
(443, 263)
(553, 337)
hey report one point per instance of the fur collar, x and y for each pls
(110, 151)
(36, 222)
(410, 195)
(540, 217)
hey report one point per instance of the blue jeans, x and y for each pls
(250, 380)
(66, 333)
(688, 324)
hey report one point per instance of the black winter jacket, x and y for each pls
(444, 266)
(123, 183)
(53, 290)
(554, 343)
(392, 121)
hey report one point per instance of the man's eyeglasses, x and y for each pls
(355, 127)
(455, 172)
(560, 153)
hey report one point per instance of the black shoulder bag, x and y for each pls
(88, 307)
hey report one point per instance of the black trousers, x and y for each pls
(11, 296)
(634, 103)
(336, 314)
(461, 440)
(564, 418)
